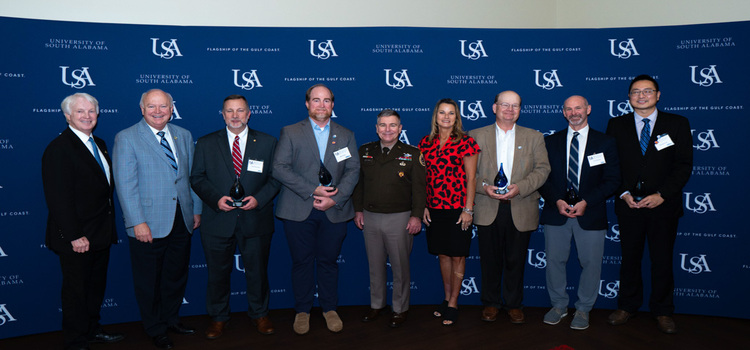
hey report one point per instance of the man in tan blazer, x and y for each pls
(505, 221)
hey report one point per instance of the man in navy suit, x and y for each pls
(585, 172)
(236, 153)
(656, 160)
(152, 172)
(315, 214)
(78, 187)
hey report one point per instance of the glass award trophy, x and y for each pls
(501, 181)
(237, 192)
(325, 177)
(638, 192)
(572, 197)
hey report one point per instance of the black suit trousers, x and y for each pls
(660, 233)
(160, 271)
(84, 278)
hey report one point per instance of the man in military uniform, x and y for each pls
(388, 202)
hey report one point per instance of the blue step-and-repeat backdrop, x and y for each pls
(703, 70)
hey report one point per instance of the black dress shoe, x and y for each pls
(373, 314)
(163, 342)
(181, 329)
(397, 319)
(106, 337)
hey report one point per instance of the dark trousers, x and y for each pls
(315, 244)
(660, 233)
(160, 272)
(502, 252)
(220, 260)
(84, 278)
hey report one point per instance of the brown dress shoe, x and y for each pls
(516, 316)
(372, 315)
(489, 314)
(264, 325)
(397, 319)
(666, 324)
(619, 317)
(216, 329)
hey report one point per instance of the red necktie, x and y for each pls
(237, 156)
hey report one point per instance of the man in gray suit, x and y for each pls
(152, 167)
(315, 214)
(236, 153)
(505, 221)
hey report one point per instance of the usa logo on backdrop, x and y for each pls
(700, 204)
(403, 138)
(551, 79)
(324, 50)
(625, 48)
(469, 286)
(250, 79)
(2, 253)
(80, 77)
(621, 108)
(538, 260)
(5, 315)
(475, 50)
(706, 140)
(400, 79)
(708, 76)
(613, 234)
(609, 290)
(167, 50)
(697, 264)
(175, 113)
(475, 110)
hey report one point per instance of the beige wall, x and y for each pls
(415, 13)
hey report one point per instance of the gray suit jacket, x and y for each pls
(530, 170)
(296, 165)
(147, 186)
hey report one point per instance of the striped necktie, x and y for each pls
(573, 162)
(237, 156)
(645, 135)
(168, 151)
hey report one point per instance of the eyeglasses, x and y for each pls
(505, 105)
(647, 92)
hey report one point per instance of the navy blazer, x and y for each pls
(666, 171)
(595, 184)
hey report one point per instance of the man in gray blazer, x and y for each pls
(505, 221)
(236, 153)
(315, 214)
(152, 167)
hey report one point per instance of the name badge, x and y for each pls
(596, 159)
(255, 166)
(342, 154)
(663, 141)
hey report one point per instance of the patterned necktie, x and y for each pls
(168, 151)
(236, 156)
(573, 162)
(96, 153)
(645, 135)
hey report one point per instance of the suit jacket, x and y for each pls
(595, 184)
(147, 186)
(296, 164)
(530, 170)
(666, 171)
(213, 175)
(79, 197)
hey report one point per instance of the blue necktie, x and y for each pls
(645, 135)
(573, 162)
(96, 153)
(168, 151)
